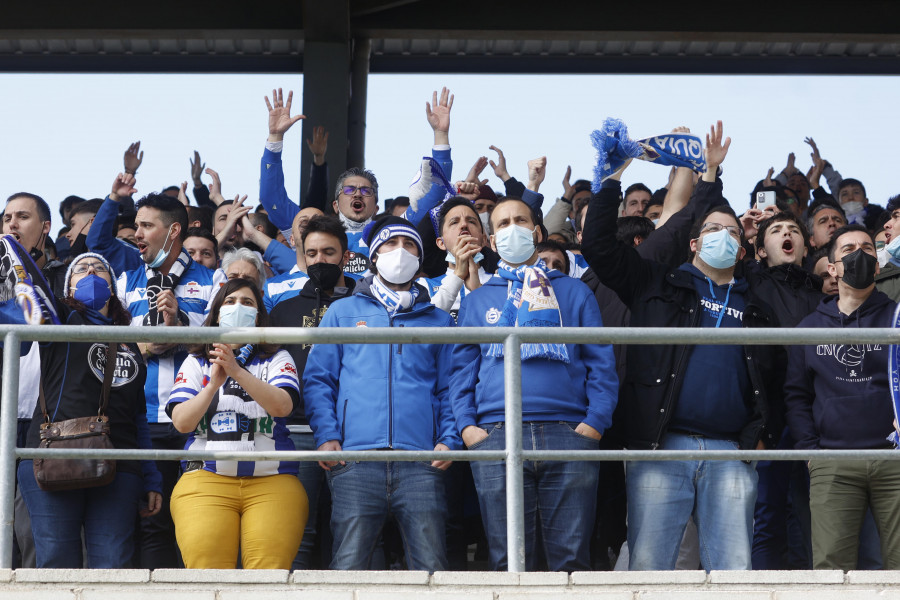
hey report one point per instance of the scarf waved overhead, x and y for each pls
(530, 302)
(158, 283)
(614, 148)
(25, 295)
(391, 300)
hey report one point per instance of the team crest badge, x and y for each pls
(362, 324)
(492, 316)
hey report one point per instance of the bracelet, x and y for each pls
(131, 172)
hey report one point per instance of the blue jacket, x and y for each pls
(380, 395)
(838, 395)
(101, 239)
(585, 390)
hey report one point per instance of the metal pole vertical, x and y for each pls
(8, 420)
(515, 494)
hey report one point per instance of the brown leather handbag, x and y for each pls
(58, 474)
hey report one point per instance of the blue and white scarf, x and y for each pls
(25, 295)
(430, 173)
(894, 378)
(391, 300)
(614, 148)
(530, 302)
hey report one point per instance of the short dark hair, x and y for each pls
(170, 211)
(832, 245)
(629, 227)
(257, 219)
(212, 319)
(88, 206)
(819, 205)
(698, 224)
(171, 188)
(204, 214)
(68, 203)
(355, 172)
(581, 185)
(329, 226)
(637, 187)
(818, 255)
(554, 246)
(850, 181)
(892, 204)
(206, 234)
(452, 203)
(764, 225)
(43, 210)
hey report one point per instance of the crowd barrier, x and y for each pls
(511, 337)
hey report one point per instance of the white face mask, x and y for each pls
(852, 208)
(237, 315)
(883, 257)
(485, 220)
(397, 266)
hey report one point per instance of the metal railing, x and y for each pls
(512, 338)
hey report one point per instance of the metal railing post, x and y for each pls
(8, 421)
(515, 494)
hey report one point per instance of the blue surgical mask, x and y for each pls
(452, 259)
(894, 247)
(719, 249)
(92, 291)
(237, 315)
(656, 222)
(163, 252)
(515, 244)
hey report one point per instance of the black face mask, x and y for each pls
(859, 269)
(324, 275)
(79, 246)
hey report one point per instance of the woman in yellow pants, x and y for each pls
(236, 398)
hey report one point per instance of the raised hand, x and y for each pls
(197, 169)
(476, 169)
(467, 189)
(122, 186)
(568, 191)
(438, 115)
(790, 169)
(318, 145)
(768, 182)
(716, 147)
(500, 166)
(215, 188)
(280, 119)
(133, 158)
(812, 144)
(537, 170)
(182, 196)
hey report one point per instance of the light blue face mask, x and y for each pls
(719, 249)
(163, 254)
(452, 259)
(237, 315)
(894, 247)
(515, 244)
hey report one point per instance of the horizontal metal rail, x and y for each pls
(511, 337)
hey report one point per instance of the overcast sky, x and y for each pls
(65, 134)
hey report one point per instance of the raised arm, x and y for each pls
(101, 238)
(437, 113)
(272, 195)
(317, 191)
(201, 192)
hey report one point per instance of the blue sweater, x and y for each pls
(585, 390)
(838, 395)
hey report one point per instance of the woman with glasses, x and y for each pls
(236, 398)
(72, 375)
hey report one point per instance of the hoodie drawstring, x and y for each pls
(725, 305)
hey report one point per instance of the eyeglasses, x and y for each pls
(365, 190)
(734, 230)
(82, 268)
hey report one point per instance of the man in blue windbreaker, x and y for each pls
(384, 397)
(568, 395)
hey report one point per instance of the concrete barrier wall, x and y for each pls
(175, 584)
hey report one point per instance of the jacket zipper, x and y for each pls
(390, 388)
(667, 405)
(400, 346)
(344, 418)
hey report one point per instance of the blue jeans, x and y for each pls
(561, 494)
(312, 476)
(662, 495)
(365, 494)
(108, 515)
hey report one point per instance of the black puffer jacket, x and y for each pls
(660, 296)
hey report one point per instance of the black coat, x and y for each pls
(660, 296)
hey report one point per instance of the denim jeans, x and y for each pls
(108, 515)
(157, 548)
(562, 495)
(365, 494)
(312, 476)
(662, 495)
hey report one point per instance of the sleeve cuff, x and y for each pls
(274, 146)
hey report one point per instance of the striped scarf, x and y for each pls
(391, 300)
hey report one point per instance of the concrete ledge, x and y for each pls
(82, 575)
(874, 577)
(448, 595)
(565, 595)
(138, 594)
(6, 575)
(638, 578)
(769, 577)
(361, 578)
(834, 595)
(284, 595)
(223, 576)
(37, 595)
(499, 578)
(707, 594)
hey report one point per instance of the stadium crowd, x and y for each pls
(462, 254)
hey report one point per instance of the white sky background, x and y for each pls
(65, 134)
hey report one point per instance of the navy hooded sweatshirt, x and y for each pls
(838, 395)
